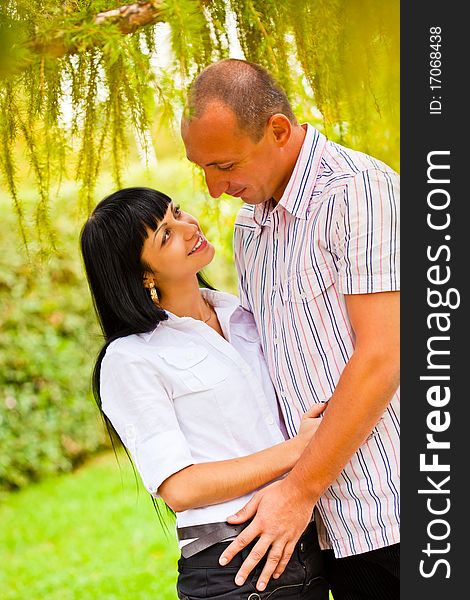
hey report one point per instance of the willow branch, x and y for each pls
(127, 19)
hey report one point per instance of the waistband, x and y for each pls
(206, 535)
(208, 555)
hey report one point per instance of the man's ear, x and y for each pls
(281, 129)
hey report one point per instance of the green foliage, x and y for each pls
(48, 420)
(75, 92)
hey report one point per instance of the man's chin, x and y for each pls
(250, 199)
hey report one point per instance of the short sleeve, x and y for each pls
(136, 402)
(367, 233)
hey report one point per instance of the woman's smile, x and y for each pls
(200, 245)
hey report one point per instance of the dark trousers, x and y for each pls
(201, 576)
(373, 575)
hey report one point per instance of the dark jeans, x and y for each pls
(373, 575)
(201, 576)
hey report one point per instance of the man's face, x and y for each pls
(232, 162)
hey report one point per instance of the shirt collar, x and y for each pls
(224, 304)
(299, 190)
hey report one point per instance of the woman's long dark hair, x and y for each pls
(111, 242)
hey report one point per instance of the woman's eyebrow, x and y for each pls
(164, 224)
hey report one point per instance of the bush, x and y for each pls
(48, 419)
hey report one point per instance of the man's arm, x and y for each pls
(283, 510)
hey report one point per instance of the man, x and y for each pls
(317, 258)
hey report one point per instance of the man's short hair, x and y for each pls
(246, 88)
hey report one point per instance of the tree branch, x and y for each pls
(130, 18)
(127, 18)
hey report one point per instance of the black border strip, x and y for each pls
(433, 568)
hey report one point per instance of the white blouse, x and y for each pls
(181, 394)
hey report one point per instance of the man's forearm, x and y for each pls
(362, 394)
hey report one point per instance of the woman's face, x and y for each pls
(176, 250)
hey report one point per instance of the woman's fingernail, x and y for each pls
(276, 576)
(261, 585)
(223, 561)
(239, 580)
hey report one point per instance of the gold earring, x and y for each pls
(153, 293)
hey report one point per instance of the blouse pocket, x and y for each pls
(195, 367)
(305, 285)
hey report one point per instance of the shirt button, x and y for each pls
(189, 355)
(245, 370)
(269, 420)
(302, 547)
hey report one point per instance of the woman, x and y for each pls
(183, 382)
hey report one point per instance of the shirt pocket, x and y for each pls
(305, 285)
(194, 367)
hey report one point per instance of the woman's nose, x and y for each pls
(190, 230)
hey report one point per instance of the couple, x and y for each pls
(220, 400)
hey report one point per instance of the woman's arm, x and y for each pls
(214, 482)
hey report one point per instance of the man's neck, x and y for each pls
(292, 154)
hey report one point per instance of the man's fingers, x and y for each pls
(275, 555)
(247, 512)
(257, 553)
(286, 556)
(243, 539)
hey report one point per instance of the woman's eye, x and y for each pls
(165, 236)
(177, 212)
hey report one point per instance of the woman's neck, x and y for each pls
(185, 300)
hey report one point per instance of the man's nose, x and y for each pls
(216, 184)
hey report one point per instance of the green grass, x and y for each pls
(86, 535)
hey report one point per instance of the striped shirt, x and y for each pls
(334, 232)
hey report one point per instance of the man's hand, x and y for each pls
(281, 515)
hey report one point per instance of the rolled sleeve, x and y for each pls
(367, 243)
(141, 411)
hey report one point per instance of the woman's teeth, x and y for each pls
(199, 242)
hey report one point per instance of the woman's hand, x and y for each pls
(310, 423)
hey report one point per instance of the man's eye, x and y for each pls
(226, 167)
